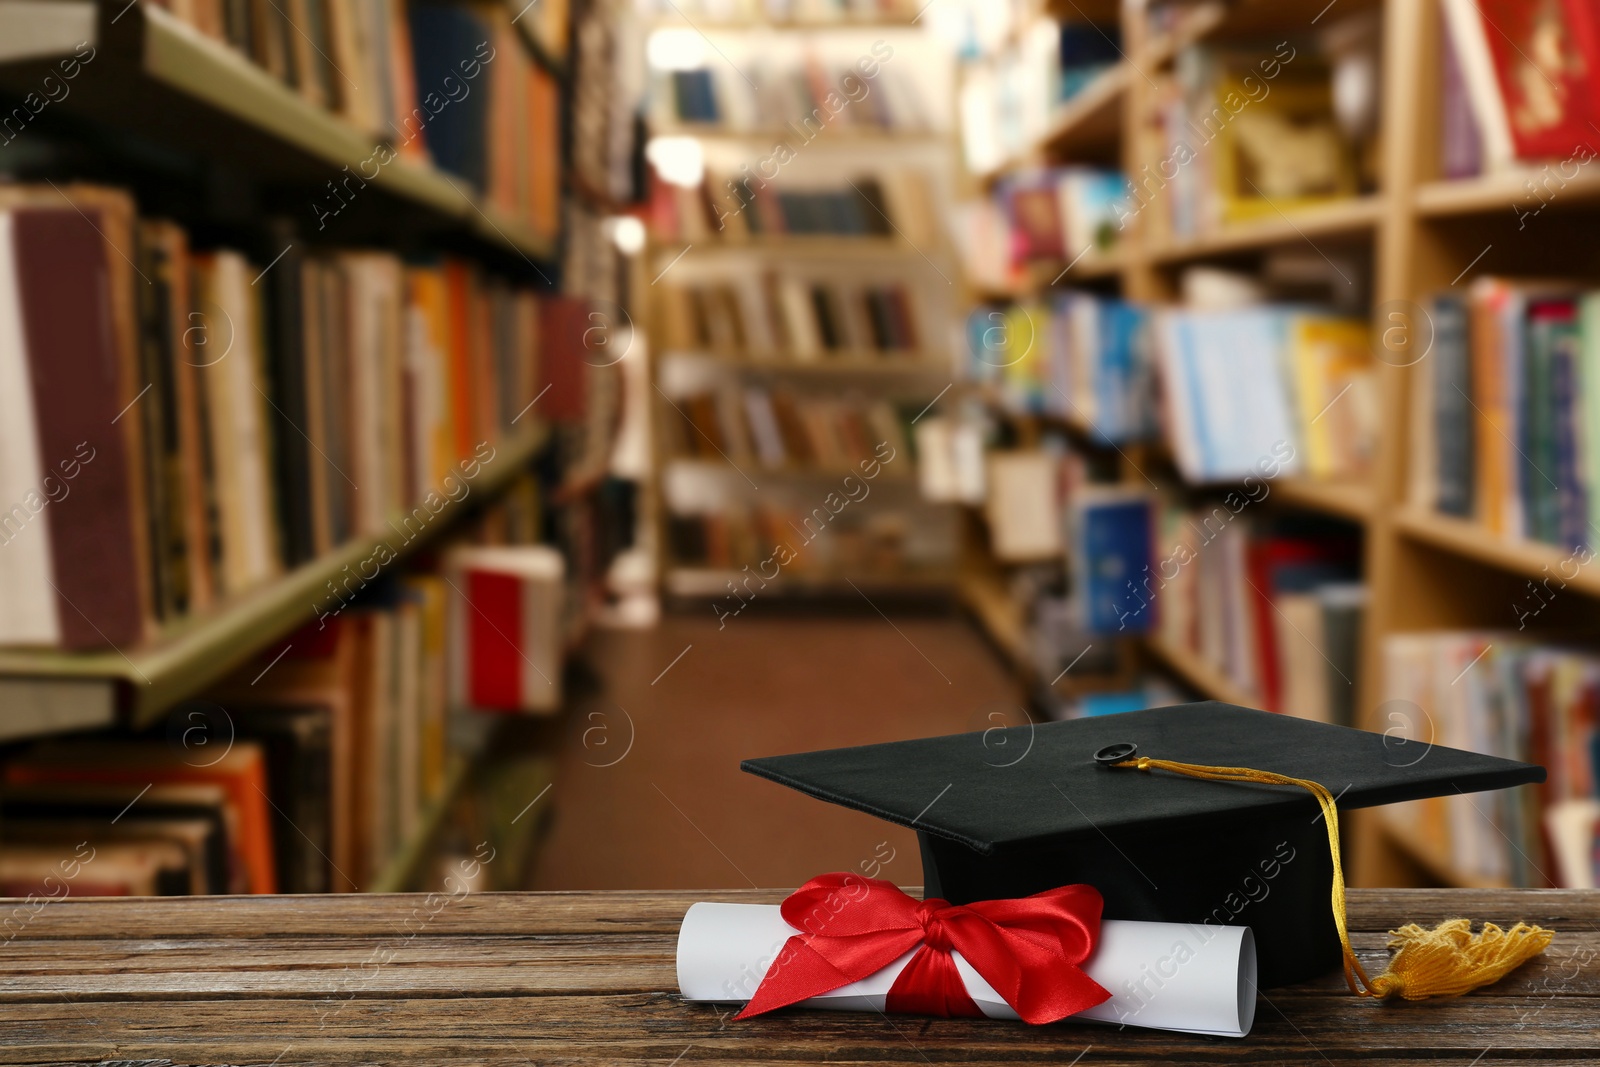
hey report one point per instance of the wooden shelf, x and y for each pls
(692, 580)
(1356, 215)
(753, 469)
(855, 364)
(1495, 193)
(403, 868)
(999, 616)
(1425, 854)
(1093, 264)
(1039, 276)
(1200, 675)
(741, 25)
(198, 651)
(1090, 118)
(555, 64)
(1472, 540)
(810, 246)
(160, 77)
(872, 137)
(1351, 500)
(1193, 26)
(1093, 115)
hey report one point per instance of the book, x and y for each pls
(1110, 533)
(1544, 56)
(1469, 46)
(297, 743)
(85, 584)
(1022, 507)
(1460, 144)
(505, 624)
(1228, 402)
(234, 387)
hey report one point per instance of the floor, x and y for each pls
(648, 791)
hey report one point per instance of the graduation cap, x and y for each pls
(1014, 811)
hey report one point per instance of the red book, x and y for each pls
(1547, 60)
(1036, 231)
(78, 388)
(1268, 559)
(506, 607)
(562, 324)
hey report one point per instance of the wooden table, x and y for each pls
(556, 978)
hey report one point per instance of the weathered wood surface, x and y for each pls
(587, 978)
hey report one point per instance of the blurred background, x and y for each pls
(440, 438)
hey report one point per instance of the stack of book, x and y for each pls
(182, 425)
(775, 316)
(781, 429)
(1503, 410)
(1088, 359)
(1244, 133)
(1275, 608)
(202, 823)
(1225, 388)
(1058, 214)
(890, 204)
(1010, 104)
(312, 767)
(781, 11)
(796, 101)
(1506, 695)
(450, 83)
(1517, 82)
(1241, 386)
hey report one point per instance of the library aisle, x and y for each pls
(648, 789)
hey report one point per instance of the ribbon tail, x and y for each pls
(931, 985)
(798, 973)
(1050, 997)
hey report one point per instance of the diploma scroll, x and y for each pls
(1195, 979)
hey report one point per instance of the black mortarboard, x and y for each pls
(1013, 811)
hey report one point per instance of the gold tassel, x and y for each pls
(1447, 961)
(1450, 960)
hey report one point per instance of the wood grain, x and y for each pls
(570, 978)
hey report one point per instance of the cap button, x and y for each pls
(1117, 753)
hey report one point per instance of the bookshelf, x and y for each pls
(712, 487)
(161, 94)
(1358, 216)
(197, 651)
(165, 80)
(1424, 570)
(864, 363)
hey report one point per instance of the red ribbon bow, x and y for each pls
(1027, 949)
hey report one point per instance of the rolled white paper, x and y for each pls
(1162, 976)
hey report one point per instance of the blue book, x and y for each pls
(1123, 398)
(1113, 550)
(1452, 414)
(444, 36)
(1572, 524)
